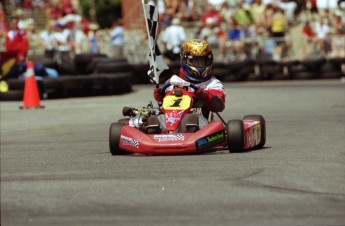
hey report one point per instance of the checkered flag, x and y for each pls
(157, 64)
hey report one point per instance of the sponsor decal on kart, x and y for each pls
(129, 141)
(253, 135)
(168, 137)
(210, 140)
(174, 116)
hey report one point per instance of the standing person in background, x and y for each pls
(3, 29)
(45, 40)
(61, 41)
(173, 37)
(117, 40)
(322, 30)
(309, 38)
(279, 26)
(80, 39)
(16, 49)
(93, 38)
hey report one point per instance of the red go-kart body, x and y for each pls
(236, 135)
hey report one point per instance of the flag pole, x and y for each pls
(151, 45)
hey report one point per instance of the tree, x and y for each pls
(103, 12)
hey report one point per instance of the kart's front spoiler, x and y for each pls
(135, 141)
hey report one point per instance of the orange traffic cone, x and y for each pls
(31, 98)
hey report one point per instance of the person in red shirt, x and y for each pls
(16, 49)
(17, 42)
(309, 40)
(213, 13)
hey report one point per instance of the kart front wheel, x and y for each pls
(235, 131)
(260, 119)
(114, 139)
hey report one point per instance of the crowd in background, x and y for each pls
(251, 28)
(237, 29)
(65, 35)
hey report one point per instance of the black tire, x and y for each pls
(114, 139)
(12, 95)
(53, 88)
(19, 84)
(262, 121)
(113, 68)
(235, 131)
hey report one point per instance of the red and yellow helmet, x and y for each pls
(196, 60)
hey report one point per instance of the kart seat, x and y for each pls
(153, 125)
(192, 123)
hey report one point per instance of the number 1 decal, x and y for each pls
(176, 103)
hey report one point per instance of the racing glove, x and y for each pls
(215, 102)
(201, 94)
(157, 93)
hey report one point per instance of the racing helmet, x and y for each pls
(196, 60)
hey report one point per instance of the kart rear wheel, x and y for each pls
(114, 139)
(235, 130)
(262, 121)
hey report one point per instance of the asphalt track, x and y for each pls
(56, 168)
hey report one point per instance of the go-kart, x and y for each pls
(140, 132)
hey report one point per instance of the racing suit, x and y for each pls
(212, 99)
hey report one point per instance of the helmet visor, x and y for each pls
(199, 61)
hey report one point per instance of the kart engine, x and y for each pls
(138, 117)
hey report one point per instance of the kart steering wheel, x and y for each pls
(195, 87)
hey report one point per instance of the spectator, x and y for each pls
(46, 40)
(322, 30)
(257, 9)
(62, 45)
(235, 39)
(337, 44)
(80, 39)
(211, 14)
(187, 11)
(226, 11)
(279, 23)
(210, 32)
(27, 5)
(312, 6)
(25, 22)
(93, 38)
(242, 15)
(173, 37)
(117, 40)
(16, 49)
(289, 9)
(267, 16)
(161, 9)
(17, 44)
(66, 7)
(309, 35)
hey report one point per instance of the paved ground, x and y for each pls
(56, 168)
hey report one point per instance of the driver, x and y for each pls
(196, 64)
